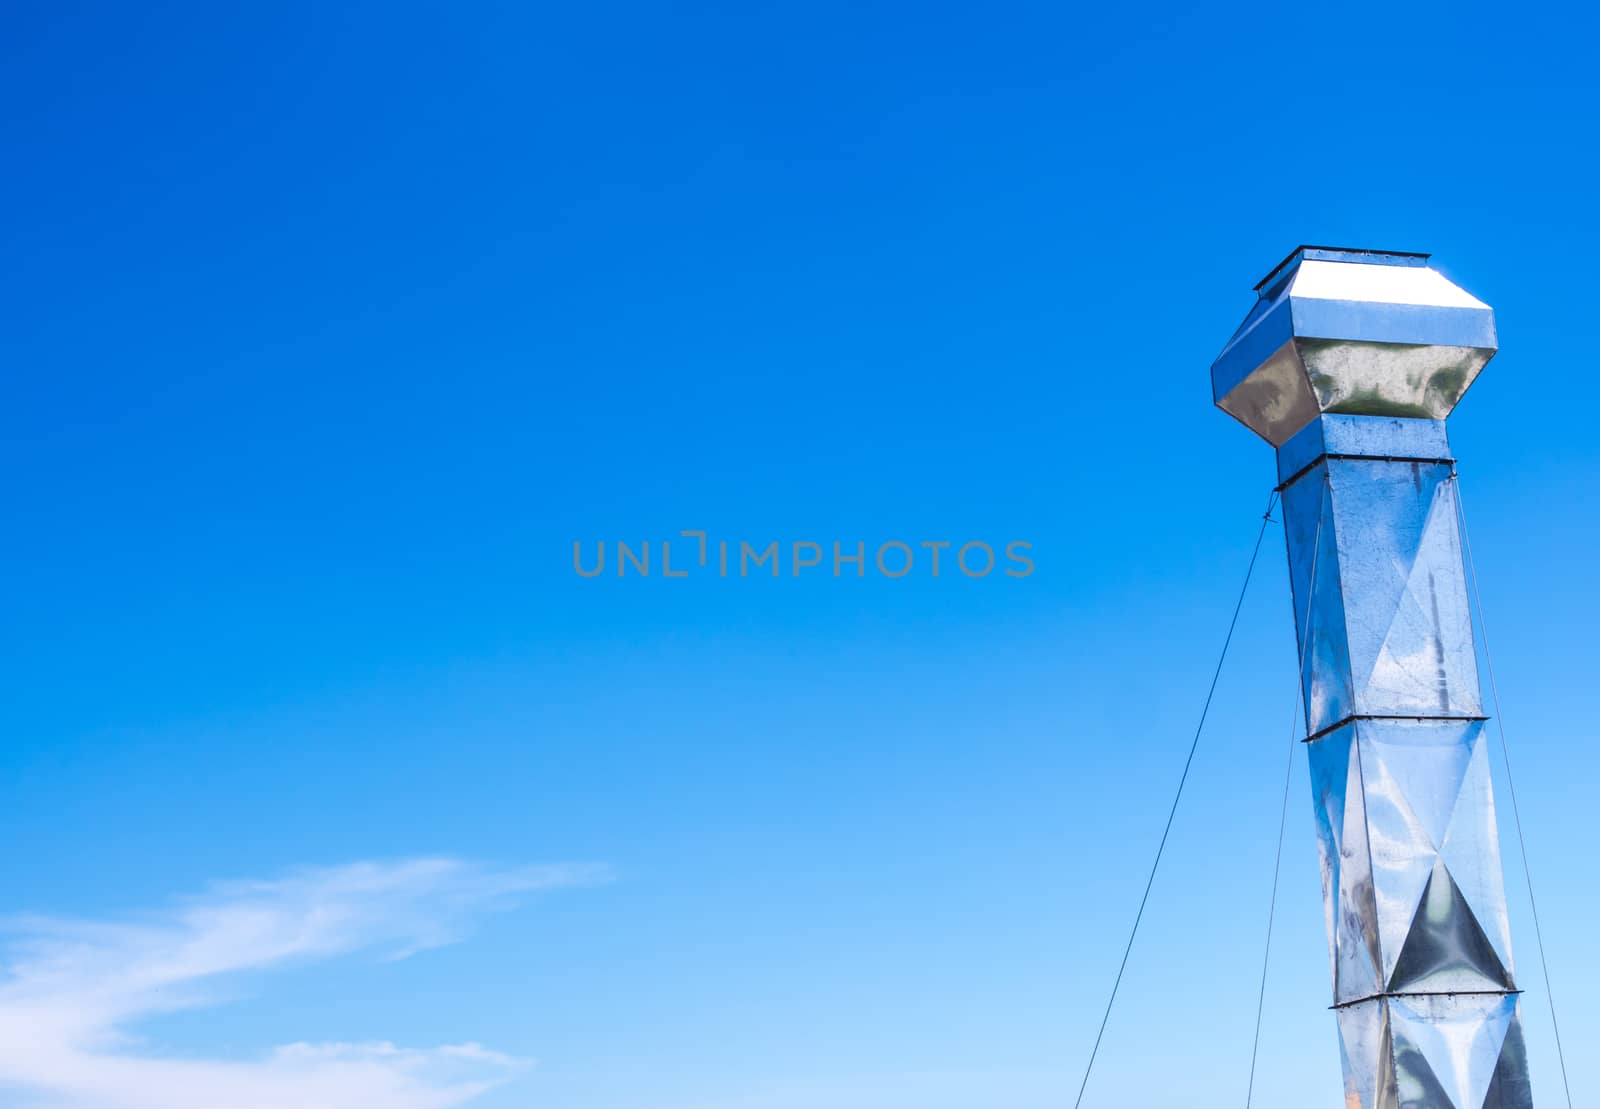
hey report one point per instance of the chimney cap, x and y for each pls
(1355, 332)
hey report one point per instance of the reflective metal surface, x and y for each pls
(1353, 332)
(1386, 379)
(1445, 1051)
(1391, 633)
(1348, 364)
(1423, 440)
(1410, 861)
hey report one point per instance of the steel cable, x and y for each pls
(1288, 774)
(1511, 784)
(1183, 779)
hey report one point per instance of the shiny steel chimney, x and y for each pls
(1349, 364)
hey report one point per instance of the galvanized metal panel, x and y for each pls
(1350, 908)
(1403, 589)
(1389, 379)
(1441, 1051)
(1363, 436)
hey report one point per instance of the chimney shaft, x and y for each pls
(1349, 364)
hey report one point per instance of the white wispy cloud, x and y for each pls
(72, 989)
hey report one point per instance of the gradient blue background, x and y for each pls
(329, 328)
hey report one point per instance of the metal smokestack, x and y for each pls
(1349, 364)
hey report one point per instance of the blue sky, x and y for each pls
(329, 330)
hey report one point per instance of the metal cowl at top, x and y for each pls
(1352, 332)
